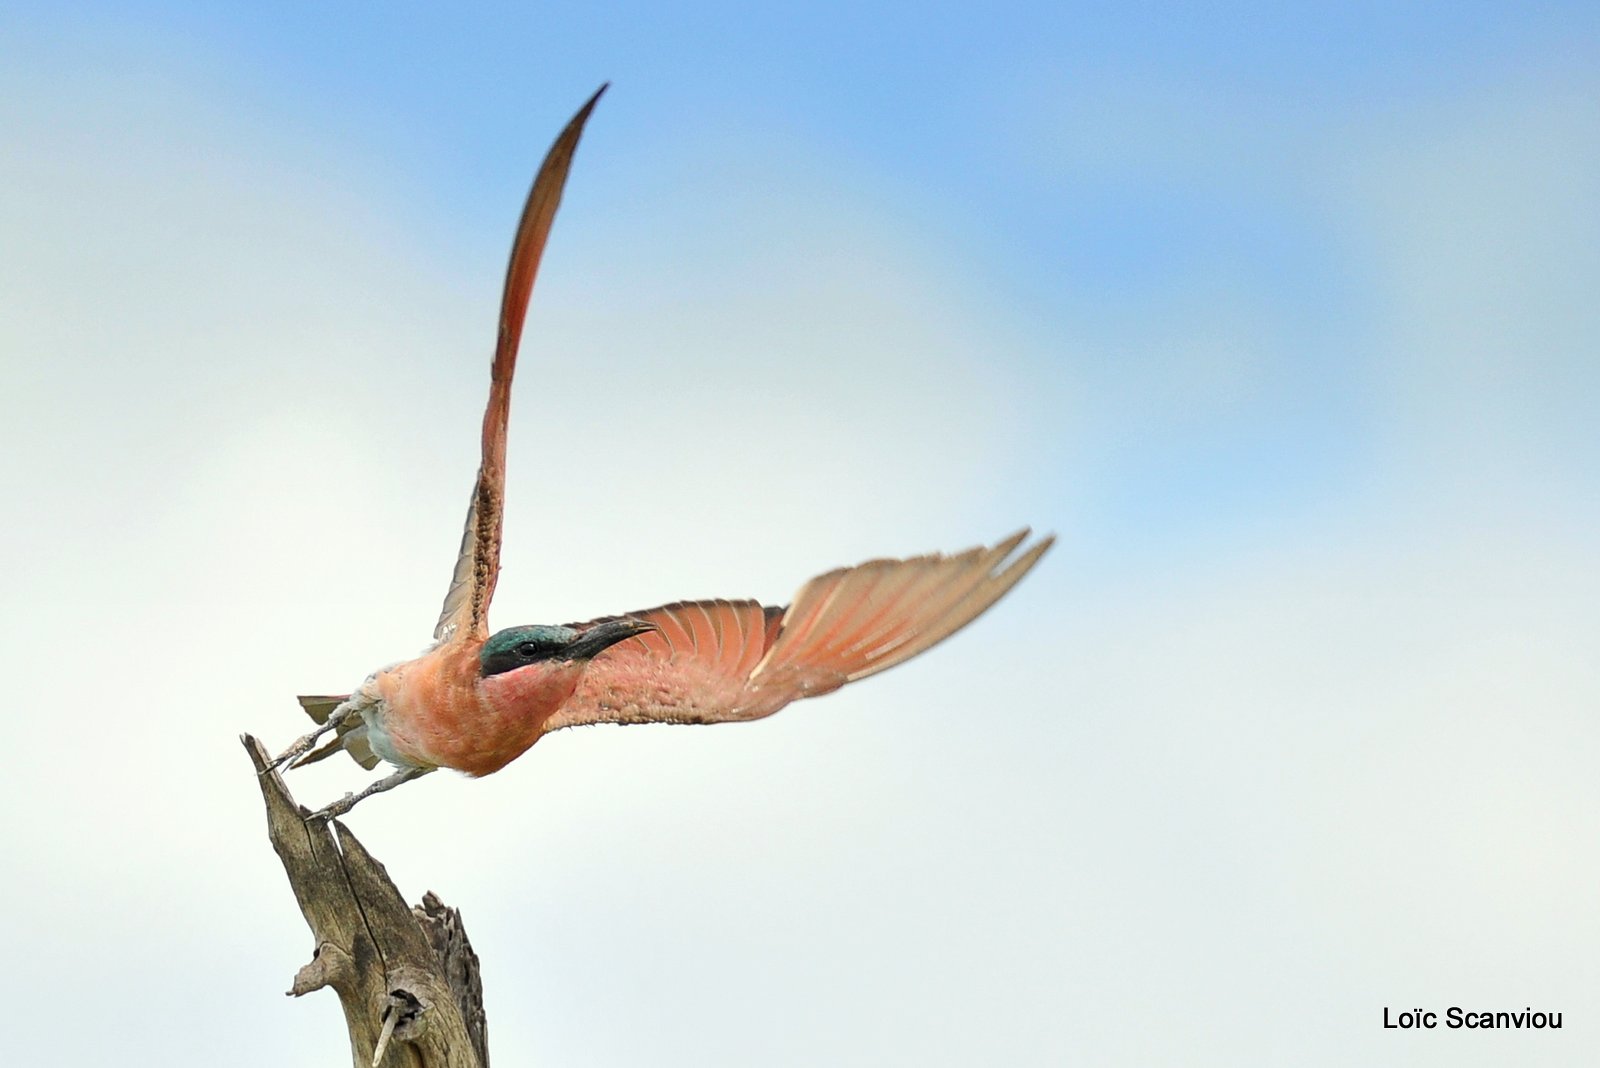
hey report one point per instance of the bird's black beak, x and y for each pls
(603, 636)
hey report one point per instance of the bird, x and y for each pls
(475, 700)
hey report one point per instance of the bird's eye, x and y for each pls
(529, 650)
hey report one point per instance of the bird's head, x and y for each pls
(538, 667)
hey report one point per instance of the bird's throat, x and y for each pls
(514, 707)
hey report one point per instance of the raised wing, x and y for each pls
(466, 606)
(720, 661)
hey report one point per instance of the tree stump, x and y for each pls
(407, 978)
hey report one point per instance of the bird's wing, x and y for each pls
(691, 669)
(720, 661)
(466, 606)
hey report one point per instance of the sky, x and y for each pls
(1280, 317)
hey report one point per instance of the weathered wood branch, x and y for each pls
(406, 978)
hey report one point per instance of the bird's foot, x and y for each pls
(333, 811)
(300, 748)
(303, 744)
(349, 801)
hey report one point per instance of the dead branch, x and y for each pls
(406, 978)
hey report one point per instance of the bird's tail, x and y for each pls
(351, 734)
(857, 621)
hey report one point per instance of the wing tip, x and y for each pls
(1022, 561)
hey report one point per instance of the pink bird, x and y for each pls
(476, 701)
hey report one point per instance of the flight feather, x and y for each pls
(466, 605)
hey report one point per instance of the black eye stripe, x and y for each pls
(520, 647)
(522, 654)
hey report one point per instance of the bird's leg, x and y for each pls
(303, 744)
(349, 801)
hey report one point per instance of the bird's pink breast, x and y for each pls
(440, 710)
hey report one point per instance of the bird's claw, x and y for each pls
(300, 748)
(349, 801)
(303, 744)
(333, 811)
(274, 764)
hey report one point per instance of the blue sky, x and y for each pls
(1092, 169)
(1281, 318)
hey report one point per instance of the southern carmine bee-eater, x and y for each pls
(475, 701)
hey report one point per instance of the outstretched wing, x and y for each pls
(719, 661)
(466, 606)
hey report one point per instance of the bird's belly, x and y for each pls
(459, 730)
(437, 712)
(487, 741)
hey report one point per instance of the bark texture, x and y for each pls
(407, 978)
